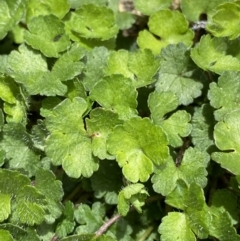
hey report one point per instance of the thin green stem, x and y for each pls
(146, 233)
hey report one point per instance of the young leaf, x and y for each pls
(14, 106)
(224, 94)
(91, 21)
(226, 135)
(225, 21)
(99, 126)
(137, 144)
(150, 7)
(90, 220)
(191, 170)
(170, 26)
(176, 226)
(214, 54)
(46, 7)
(11, 12)
(202, 127)
(70, 145)
(116, 93)
(50, 38)
(8, 89)
(134, 194)
(179, 74)
(19, 149)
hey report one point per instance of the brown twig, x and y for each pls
(181, 152)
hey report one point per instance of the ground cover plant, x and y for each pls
(120, 120)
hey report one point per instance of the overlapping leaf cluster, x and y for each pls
(103, 143)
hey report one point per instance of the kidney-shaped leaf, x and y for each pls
(137, 144)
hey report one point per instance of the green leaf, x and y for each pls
(76, 4)
(226, 201)
(150, 7)
(68, 65)
(144, 66)
(176, 226)
(106, 185)
(221, 227)
(90, 220)
(140, 66)
(193, 11)
(225, 21)
(14, 106)
(170, 26)
(94, 69)
(15, 181)
(177, 124)
(226, 135)
(11, 12)
(29, 68)
(46, 33)
(215, 54)
(91, 21)
(116, 93)
(30, 206)
(191, 170)
(202, 127)
(134, 194)
(5, 206)
(5, 235)
(197, 211)
(179, 74)
(46, 7)
(66, 224)
(137, 144)
(69, 145)
(224, 95)
(51, 188)
(161, 103)
(19, 233)
(99, 126)
(19, 148)
(8, 89)
(124, 20)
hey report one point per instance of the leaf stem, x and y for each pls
(115, 218)
(106, 225)
(146, 233)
